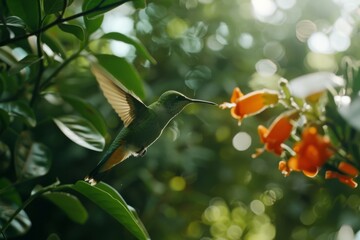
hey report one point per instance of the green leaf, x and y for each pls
(92, 24)
(32, 159)
(8, 192)
(4, 120)
(53, 236)
(54, 6)
(88, 112)
(70, 205)
(139, 46)
(14, 21)
(25, 62)
(54, 44)
(5, 156)
(81, 132)
(97, 4)
(139, 3)
(20, 109)
(111, 202)
(19, 225)
(351, 113)
(123, 72)
(75, 30)
(7, 57)
(26, 10)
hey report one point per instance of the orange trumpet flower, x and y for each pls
(278, 132)
(312, 152)
(350, 172)
(250, 104)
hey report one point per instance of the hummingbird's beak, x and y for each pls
(201, 101)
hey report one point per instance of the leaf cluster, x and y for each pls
(38, 40)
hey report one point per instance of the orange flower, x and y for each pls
(350, 172)
(284, 168)
(278, 132)
(311, 152)
(250, 104)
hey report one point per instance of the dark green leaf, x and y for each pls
(139, 47)
(14, 21)
(54, 6)
(123, 72)
(351, 113)
(75, 30)
(70, 205)
(53, 236)
(8, 192)
(4, 120)
(88, 112)
(32, 159)
(26, 10)
(81, 132)
(20, 110)
(111, 202)
(19, 225)
(139, 3)
(100, 4)
(5, 157)
(25, 62)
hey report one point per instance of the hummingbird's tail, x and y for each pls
(110, 159)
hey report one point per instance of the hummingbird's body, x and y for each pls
(143, 124)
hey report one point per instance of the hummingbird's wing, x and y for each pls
(125, 103)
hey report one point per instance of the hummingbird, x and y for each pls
(143, 124)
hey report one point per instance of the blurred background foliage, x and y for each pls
(192, 183)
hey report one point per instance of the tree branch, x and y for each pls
(62, 20)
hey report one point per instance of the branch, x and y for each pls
(62, 20)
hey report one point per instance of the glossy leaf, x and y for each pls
(100, 4)
(92, 24)
(88, 112)
(27, 10)
(81, 132)
(20, 110)
(14, 21)
(25, 62)
(32, 159)
(123, 72)
(54, 6)
(139, 47)
(111, 202)
(75, 30)
(351, 113)
(70, 204)
(19, 225)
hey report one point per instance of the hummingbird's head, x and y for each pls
(174, 101)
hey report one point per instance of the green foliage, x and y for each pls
(111, 201)
(69, 204)
(34, 95)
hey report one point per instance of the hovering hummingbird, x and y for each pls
(143, 124)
